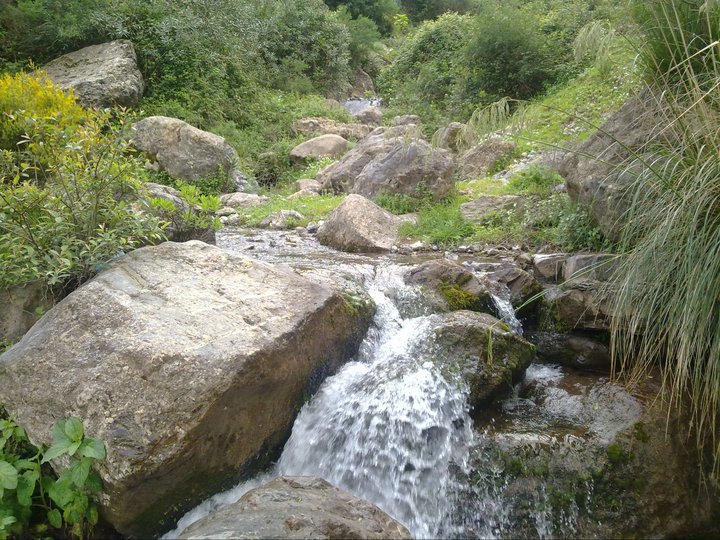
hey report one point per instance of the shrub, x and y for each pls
(33, 501)
(66, 202)
(442, 224)
(33, 92)
(535, 180)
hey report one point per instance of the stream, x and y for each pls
(389, 428)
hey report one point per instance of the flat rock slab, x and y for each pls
(100, 75)
(189, 362)
(296, 507)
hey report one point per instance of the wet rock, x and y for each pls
(575, 456)
(325, 126)
(406, 119)
(282, 219)
(483, 208)
(572, 350)
(581, 305)
(297, 507)
(216, 355)
(101, 76)
(448, 286)
(549, 266)
(450, 137)
(371, 116)
(479, 350)
(340, 177)
(521, 284)
(411, 169)
(319, 147)
(359, 225)
(243, 200)
(594, 266)
(183, 151)
(22, 307)
(481, 158)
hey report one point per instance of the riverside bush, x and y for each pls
(34, 502)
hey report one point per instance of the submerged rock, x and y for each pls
(297, 507)
(480, 351)
(360, 225)
(103, 75)
(190, 363)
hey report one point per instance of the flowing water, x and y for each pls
(389, 428)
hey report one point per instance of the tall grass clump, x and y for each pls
(667, 290)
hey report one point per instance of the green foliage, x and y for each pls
(193, 218)
(441, 224)
(311, 208)
(65, 201)
(35, 502)
(380, 12)
(535, 180)
(400, 204)
(364, 40)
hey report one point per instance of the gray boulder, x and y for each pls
(411, 169)
(448, 286)
(324, 126)
(370, 115)
(549, 266)
(479, 350)
(319, 147)
(521, 284)
(359, 225)
(479, 160)
(307, 184)
(594, 266)
(282, 219)
(190, 363)
(451, 136)
(296, 507)
(183, 151)
(406, 119)
(100, 75)
(363, 85)
(483, 208)
(578, 305)
(573, 350)
(596, 174)
(243, 200)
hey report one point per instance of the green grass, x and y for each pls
(311, 208)
(442, 225)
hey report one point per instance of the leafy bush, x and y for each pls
(193, 219)
(33, 92)
(66, 202)
(32, 499)
(441, 224)
(535, 180)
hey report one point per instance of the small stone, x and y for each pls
(312, 227)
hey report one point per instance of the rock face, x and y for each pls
(183, 151)
(595, 266)
(296, 507)
(592, 181)
(579, 305)
(363, 85)
(481, 158)
(479, 350)
(22, 306)
(450, 137)
(371, 116)
(448, 286)
(482, 208)
(407, 169)
(340, 176)
(100, 75)
(326, 126)
(190, 363)
(359, 225)
(319, 147)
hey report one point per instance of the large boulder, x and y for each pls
(414, 168)
(371, 116)
(189, 362)
(183, 151)
(596, 174)
(363, 85)
(451, 136)
(325, 126)
(22, 306)
(479, 160)
(359, 225)
(578, 305)
(406, 119)
(100, 75)
(243, 200)
(319, 147)
(448, 286)
(340, 176)
(573, 350)
(521, 284)
(297, 507)
(479, 351)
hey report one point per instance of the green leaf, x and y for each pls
(54, 518)
(80, 472)
(92, 515)
(94, 482)
(92, 448)
(25, 490)
(62, 492)
(73, 448)
(74, 429)
(56, 450)
(59, 436)
(8, 476)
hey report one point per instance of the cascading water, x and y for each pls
(387, 427)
